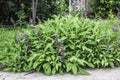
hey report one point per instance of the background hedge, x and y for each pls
(18, 12)
(103, 8)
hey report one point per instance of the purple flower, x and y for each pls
(62, 47)
(115, 29)
(62, 58)
(29, 47)
(25, 37)
(108, 47)
(59, 48)
(118, 15)
(18, 38)
(56, 37)
(57, 43)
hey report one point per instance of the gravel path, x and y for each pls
(96, 74)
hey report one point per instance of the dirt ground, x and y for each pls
(96, 74)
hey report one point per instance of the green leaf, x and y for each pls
(103, 62)
(63, 38)
(61, 71)
(87, 49)
(7, 69)
(35, 64)
(84, 72)
(81, 62)
(49, 46)
(47, 68)
(111, 64)
(58, 65)
(33, 56)
(63, 31)
(14, 69)
(91, 42)
(90, 65)
(53, 70)
(73, 58)
(73, 36)
(68, 67)
(53, 57)
(74, 69)
(72, 46)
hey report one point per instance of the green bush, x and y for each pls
(103, 8)
(67, 44)
(17, 13)
(51, 7)
(14, 12)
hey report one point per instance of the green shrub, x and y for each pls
(14, 12)
(67, 44)
(51, 7)
(17, 13)
(6, 36)
(103, 8)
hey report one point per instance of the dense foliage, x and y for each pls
(103, 8)
(14, 12)
(66, 44)
(18, 12)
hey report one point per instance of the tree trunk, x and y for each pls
(86, 8)
(70, 7)
(34, 10)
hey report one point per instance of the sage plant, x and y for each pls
(25, 36)
(18, 38)
(59, 48)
